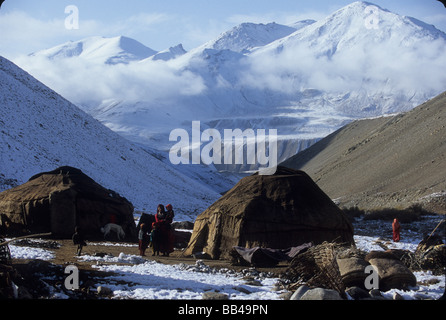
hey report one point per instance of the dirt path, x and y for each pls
(65, 255)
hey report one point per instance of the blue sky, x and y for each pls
(30, 25)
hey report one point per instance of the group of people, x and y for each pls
(159, 235)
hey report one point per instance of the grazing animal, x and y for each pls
(109, 227)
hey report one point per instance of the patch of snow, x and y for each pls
(153, 280)
(21, 252)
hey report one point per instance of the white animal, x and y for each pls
(115, 228)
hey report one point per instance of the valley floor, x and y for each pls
(119, 267)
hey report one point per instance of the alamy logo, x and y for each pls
(372, 20)
(372, 280)
(209, 147)
(72, 20)
(72, 280)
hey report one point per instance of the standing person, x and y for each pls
(78, 239)
(163, 226)
(160, 215)
(154, 239)
(396, 228)
(143, 238)
(169, 213)
(170, 232)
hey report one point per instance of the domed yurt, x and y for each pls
(58, 201)
(276, 211)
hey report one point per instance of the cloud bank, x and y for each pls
(82, 81)
(386, 66)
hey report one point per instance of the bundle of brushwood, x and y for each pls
(316, 267)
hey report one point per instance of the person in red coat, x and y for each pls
(396, 227)
(163, 221)
(160, 215)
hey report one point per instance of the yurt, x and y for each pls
(60, 200)
(276, 211)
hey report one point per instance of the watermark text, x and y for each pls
(72, 20)
(236, 146)
(72, 280)
(372, 20)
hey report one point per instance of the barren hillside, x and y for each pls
(385, 162)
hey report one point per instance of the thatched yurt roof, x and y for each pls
(277, 211)
(59, 200)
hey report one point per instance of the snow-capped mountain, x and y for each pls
(305, 80)
(40, 131)
(100, 50)
(171, 53)
(247, 36)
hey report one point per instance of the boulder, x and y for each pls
(299, 292)
(211, 295)
(357, 293)
(321, 294)
(104, 291)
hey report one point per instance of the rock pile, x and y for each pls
(332, 272)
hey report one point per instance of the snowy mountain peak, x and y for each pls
(306, 80)
(369, 18)
(133, 48)
(301, 24)
(360, 25)
(246, 36)
(171, 53)
(100, 49)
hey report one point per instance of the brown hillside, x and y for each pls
(386, 162)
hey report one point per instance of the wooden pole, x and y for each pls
(24, 237)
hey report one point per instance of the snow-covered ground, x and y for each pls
(153, 280)
(137, 278)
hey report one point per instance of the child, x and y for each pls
(143, 240)
(78, 239)
(155, 239)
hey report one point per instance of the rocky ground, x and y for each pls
(40, 278)
(31, 272)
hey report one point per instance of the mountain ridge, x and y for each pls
(306, 84)
(108, 50)
(40, 131)
(395, 161)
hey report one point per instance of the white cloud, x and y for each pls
(80, 80)
(393, 66)
(23, 34)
